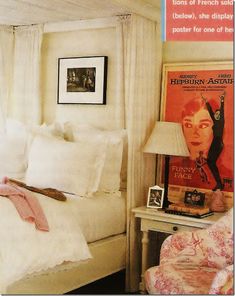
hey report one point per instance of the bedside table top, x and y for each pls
(159, 215)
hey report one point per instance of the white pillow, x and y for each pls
(54, 130)
(66, 166)
(111, 174)
(13, 158)
(16, 129)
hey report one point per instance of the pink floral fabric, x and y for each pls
(223, 282)
(198, 262)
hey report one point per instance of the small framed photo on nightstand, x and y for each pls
(155, 197)
(194, 198)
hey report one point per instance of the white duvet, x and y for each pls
(24, 250)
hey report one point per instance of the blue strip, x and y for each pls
(163, 8)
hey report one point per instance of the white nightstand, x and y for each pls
(159, 221)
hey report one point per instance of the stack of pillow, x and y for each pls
(78, 159)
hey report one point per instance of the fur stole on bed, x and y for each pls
(50, 192)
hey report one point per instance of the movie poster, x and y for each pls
(200, 97)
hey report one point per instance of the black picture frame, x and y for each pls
(194, 198)
(82, 80)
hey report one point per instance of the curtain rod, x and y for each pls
(83, 20)
(17, 26)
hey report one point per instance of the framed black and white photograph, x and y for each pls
(82, 80)
(155, 197)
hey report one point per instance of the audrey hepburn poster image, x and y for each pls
(203, 95)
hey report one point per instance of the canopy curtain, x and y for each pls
(139, 42)
(26, 103)
(6, 58)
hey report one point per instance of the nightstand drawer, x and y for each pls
(164, 227)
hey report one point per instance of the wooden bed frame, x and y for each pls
(109, 256)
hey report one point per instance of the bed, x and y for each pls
(97, 209)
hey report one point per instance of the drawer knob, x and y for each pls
(175, 228)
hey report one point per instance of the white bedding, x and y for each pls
(100, 216)
(25, 250)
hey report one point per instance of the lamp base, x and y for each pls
(166, 203)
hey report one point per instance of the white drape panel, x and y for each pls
(6, 58)
(120, 95)
(142, 63)
(26, 100)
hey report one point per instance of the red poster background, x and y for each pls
(183, 171)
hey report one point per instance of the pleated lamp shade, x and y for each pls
(167, 138)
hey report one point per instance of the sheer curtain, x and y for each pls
(25, 101)
(139, 40)
(6, 58)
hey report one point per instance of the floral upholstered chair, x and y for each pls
(198, 262)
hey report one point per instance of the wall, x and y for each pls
(174, 52)
(89, 42)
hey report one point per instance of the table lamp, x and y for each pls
(167, 138)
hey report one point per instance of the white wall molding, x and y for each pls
(99, 23)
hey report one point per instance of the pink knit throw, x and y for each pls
(26, 204)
